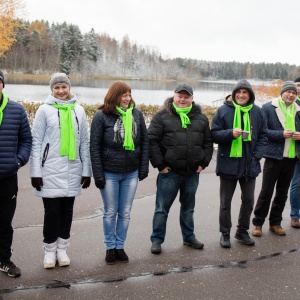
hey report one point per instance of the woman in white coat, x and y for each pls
(59, 164)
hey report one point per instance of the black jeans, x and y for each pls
(58, 218)
(279, 172)
(8, 202)
(227, 188)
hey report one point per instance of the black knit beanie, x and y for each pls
(297, 79)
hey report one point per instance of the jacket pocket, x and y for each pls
(255, 168)
(227, 166)
(45, 154)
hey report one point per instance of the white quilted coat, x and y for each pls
(61, 177)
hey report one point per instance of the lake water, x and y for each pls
(91, 91)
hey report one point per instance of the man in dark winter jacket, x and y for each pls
(240, 130)
(295, 183)
(180, 147)
(15, 147)
(282, 114)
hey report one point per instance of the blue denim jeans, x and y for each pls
(117, 196)
(295, 193)
(168, 186)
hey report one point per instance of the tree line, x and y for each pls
(43, 48)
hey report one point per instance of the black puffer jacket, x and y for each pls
(106, 145)
(247, 166)
(181, 149)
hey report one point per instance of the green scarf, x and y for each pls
(182, 112)
(289, 125)
(237, 144)
(128, 143)
(67, 134)
(3, 105)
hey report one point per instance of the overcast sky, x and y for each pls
(217, 30)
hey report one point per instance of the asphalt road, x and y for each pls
(268, 270)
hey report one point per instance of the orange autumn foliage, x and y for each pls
(265, 91)
(9, 23)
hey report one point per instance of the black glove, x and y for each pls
(142, 175)
(37, 183)
(100, 183)
(85, 182)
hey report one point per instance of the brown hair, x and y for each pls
(114, 95)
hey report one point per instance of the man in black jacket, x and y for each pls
(180, 147)
(15, 147)
(240, 131)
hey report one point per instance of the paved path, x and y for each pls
(269, 270)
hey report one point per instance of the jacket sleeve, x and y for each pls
(155, 134)
(144, 162)
(85, 147)
(38, 133)
(207, 146)
(96, 140)
(24, 139)
(275, 130)
(262, 137)
(220, 131)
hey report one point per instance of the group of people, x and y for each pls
(178, 142)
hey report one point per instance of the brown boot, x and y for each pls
(277, 229)
(257, 231)
(295, 223)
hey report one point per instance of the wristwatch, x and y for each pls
(19, 165)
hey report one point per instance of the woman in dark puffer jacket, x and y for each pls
(120, 157)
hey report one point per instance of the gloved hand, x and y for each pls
(85, 182)
(37, 183)
(100, 183)
(142, 175)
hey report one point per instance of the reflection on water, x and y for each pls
(92, 91)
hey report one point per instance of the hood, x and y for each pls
(244, 84)
(52, 100)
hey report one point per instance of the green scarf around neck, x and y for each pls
(289, 125)
(237, 144)
(3, 105)
(67, 134)
(182, 112)
(128, 143)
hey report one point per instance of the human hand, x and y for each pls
(165, 170)
(37, 183)
(296, 136)
(287, 134)
(199, 170)
(100, 183)
(236, 132)
(142, 175)
(85, 182)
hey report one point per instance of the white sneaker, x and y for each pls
(49, 260)
(62, 258)
(50, 255)
(61, 253)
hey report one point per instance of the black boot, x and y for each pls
(243, 236)
(225, 240)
